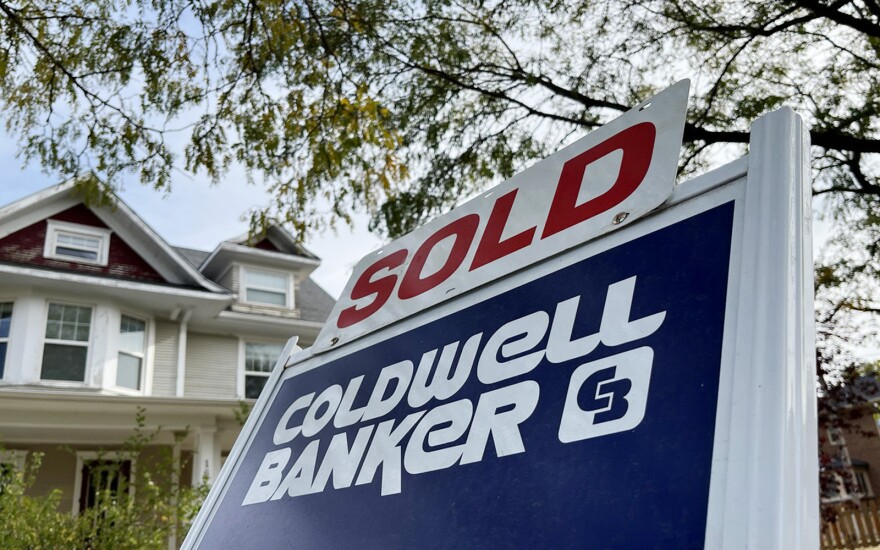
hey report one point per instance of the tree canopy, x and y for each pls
(400, 109)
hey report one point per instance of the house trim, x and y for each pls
(113, 283)
(183, 319)
(36, 207)
(6, 339)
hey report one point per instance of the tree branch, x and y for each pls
(833, 13)
(93, 97)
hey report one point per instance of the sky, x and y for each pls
(198, 215)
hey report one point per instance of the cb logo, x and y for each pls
(607, 396)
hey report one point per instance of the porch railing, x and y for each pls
(854, 528)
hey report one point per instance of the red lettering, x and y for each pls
(637, 143)
(491, 246)
(464, 230)
(382, 288)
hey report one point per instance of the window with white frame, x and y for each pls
(835, 436)
(66, 347)
(259, 359)
(267, 287)
(132, 340)
(5, 323)
(834, 489)
(863, 483)
(847, 485)
(77, 243)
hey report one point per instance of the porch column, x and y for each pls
(175, 486)
(206, 462)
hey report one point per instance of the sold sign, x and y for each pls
(603, 181)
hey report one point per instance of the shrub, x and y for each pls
(137, 508)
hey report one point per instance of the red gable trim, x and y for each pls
(266, 244)
(25, 246)
(81, 215)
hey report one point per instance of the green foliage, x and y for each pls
(400, 109)
(241, 412)
(33, 523)
(129, 513)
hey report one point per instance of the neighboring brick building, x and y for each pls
(855, 457)
(850, 442)
(100, 316)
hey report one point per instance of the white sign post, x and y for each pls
(602, 365)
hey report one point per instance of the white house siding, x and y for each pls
(211, 366)
(269, 311)
(165, 359)
(297, 281)
(235, 278)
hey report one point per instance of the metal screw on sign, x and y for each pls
(618, 219)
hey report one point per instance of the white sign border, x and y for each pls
(764, 482)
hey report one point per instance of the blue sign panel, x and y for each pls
(574, 411)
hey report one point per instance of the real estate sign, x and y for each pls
(607, 179)
(502, 378)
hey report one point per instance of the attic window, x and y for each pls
(73, 242)
(267, 287)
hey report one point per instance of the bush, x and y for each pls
(131, 509)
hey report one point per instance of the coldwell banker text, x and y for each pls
(604, 396)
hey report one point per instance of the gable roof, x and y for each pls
(275, 239)
(315, 304)
(121, 219)
(277, 248)
(193, 256)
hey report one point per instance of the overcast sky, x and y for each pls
(197, 215)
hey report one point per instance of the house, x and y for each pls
(100, 317)
(852, 458)
(849, 442)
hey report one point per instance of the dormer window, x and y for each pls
(267, 287)
(73, 242)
